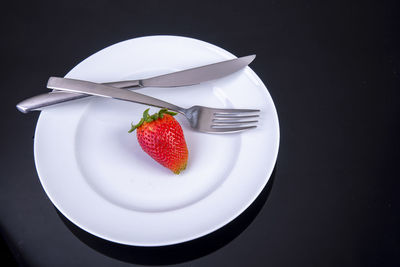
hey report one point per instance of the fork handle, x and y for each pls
(90, 88)
(43, 100)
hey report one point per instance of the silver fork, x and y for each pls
(203, 119)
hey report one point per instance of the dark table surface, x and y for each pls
(333, 70)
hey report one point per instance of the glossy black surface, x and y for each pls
(333, 70)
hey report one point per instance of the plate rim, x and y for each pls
(227, 220)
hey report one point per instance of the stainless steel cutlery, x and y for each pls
(203, 119)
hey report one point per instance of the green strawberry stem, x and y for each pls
(149, 118)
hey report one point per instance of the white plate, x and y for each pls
(95, 173)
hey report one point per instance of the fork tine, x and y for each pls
(236, 117)
(231, 123)
(230, 130)
(234, 111)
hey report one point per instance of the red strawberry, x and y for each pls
(161, 136)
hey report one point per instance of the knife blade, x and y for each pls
(175, 79)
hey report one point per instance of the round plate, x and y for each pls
(96, 174)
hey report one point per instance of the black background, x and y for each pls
(333, 70)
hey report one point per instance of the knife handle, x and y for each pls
(48, 99)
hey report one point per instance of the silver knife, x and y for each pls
(180, 78)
